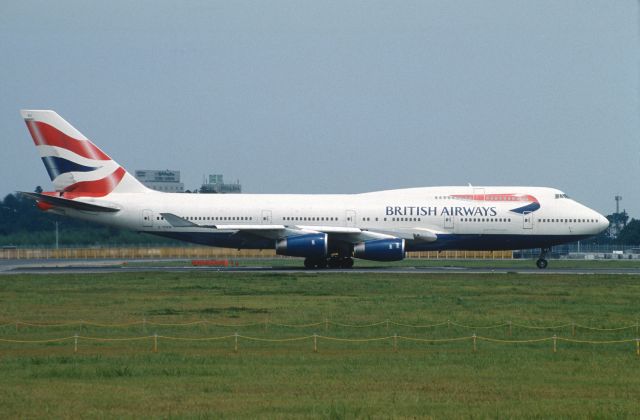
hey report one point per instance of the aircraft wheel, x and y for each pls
(334, 262)
(541, 263)
(309, 263)
(347, 263)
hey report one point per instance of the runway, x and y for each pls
(48, 267)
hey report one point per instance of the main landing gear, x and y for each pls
(331, 262)
(542, 261)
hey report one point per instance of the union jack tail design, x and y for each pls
(77, 167)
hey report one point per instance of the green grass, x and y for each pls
(415, 262)
(344, 379)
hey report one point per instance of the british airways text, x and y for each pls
(442, 211)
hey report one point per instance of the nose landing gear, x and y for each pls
(542, 261)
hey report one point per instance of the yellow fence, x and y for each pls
(466, 255)
(193, 252)
(326, 324)
(132, 253)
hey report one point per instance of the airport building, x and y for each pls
(160, 180)
(216, 185)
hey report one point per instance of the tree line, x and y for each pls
(22, 224)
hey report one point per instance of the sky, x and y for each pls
(335, 96)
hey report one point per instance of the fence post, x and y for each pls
(555, 345)
(235, 347)
(395, 342)
(448, 324)
(315, 342)
(75, 343)
(155, 342)
(475, 347)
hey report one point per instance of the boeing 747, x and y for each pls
(327, 230)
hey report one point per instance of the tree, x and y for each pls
(630, 234)
(617, 223)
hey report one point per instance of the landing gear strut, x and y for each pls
(542, 262)
(331, 262)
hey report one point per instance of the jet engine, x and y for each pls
(310, 245)
(380, 250)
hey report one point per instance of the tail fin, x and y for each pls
(77, 167)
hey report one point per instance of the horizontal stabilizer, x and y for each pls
(69, 204)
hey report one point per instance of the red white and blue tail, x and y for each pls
(77, 167)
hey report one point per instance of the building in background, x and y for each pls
(216, 185)
(161, 180)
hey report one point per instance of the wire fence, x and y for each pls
(315, 339)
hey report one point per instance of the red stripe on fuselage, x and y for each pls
(44, 134)
(97, 188)
(497, 197)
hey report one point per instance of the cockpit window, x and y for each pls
(561, 196)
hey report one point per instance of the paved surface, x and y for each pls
(116, 266)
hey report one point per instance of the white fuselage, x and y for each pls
(468, 217)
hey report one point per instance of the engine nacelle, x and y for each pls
(310, 245)
(380, 250)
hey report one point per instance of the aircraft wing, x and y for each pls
(414, 234)
(345, 234)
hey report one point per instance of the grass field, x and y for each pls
(416, 262)
(343, 379)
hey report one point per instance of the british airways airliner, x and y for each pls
(327, 230)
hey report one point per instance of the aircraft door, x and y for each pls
(147, 218)
(266, 217)
(350, 217)
(527, 220)
(448, 222)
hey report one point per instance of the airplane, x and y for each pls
(327, 230)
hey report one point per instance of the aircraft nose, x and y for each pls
(603, 222)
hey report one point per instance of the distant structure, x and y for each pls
(619, 220)
(216, 185)
(161, 180)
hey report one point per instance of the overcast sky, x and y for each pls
(345, 96)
